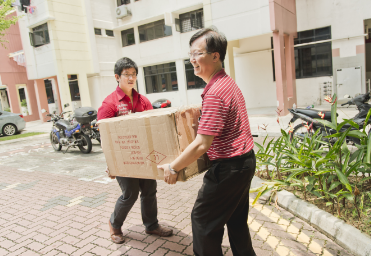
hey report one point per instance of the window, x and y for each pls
(98, 31)
(74, 87)
(154, 30)
(316, 59)
(40, 35)
(122, 2)
(22, 94)
(193, 81)
(161, 78)
(127, 37)
(49, 91)
(191, 20)
(109, 33)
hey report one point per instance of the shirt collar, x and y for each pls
(121, 95)
(215, 78)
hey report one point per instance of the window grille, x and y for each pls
(191, 21)
(161, 78)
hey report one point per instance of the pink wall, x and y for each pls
(12, 74)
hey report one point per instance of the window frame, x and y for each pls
(109, 30)
(96, 30)
(44, 31)
(152, 27)
(157, 75)
(127, 40)
(304, 37)
(183, 17)
(117, 2)
(195, 77)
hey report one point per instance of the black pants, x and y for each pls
(224, 200)
(130, 190)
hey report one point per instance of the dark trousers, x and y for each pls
(224, 200)
(130, 190)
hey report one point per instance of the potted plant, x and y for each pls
(24, 107)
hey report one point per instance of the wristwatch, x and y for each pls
(172, 170)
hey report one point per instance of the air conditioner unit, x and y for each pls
(122, 11)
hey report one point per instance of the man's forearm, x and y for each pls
(196, 149)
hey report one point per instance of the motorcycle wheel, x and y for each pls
(54, 141)
(85, 144)
(300, 132)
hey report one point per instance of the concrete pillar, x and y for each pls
(290, 69)
(84, 90)
(57, 97)
(284, 27)
(280, 71)
(64, 91)
(41, 98)
(14, 99)
(229, 58)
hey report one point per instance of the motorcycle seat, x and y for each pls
(313, 113)
(67, 125)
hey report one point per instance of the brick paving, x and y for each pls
(50, 213)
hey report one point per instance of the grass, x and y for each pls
(23, 135)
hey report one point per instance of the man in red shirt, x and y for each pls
(125, 99)
(224, 133)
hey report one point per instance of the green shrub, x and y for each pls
(24, 103)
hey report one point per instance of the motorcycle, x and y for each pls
(95, 131)
(65, 134)
(88, 122)
(308, 115)
(161, 103)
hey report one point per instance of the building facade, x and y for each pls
(279, 52)
(17, 92)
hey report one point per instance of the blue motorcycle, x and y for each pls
(64, 133)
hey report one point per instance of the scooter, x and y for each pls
(309, 116)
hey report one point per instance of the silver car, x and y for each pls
(11, 123)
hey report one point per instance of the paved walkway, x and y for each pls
(56, 210)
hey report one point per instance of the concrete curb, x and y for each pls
(23, 139)
(344, 234)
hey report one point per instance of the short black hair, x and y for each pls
(124, 63)
(215, 41)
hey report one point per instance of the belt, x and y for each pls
(251, 152)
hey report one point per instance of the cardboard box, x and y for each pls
(136, 143)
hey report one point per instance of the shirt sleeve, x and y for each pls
(213, 117)
(106, 111)
(146, 103)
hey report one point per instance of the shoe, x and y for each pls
(161, 231)
(116, 234)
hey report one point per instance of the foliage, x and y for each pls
(321, 166)
(23, 103)
(5, 20)
(7, 109)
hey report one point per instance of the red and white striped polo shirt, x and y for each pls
(224, 115)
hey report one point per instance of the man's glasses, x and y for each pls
(193, 55)
(129, 75)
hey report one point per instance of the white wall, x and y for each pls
(309, 92)
(241, 18)
(254, 72)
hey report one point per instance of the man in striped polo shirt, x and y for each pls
(224, 133)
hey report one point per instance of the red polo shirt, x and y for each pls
(119, 104)
(224, 115)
